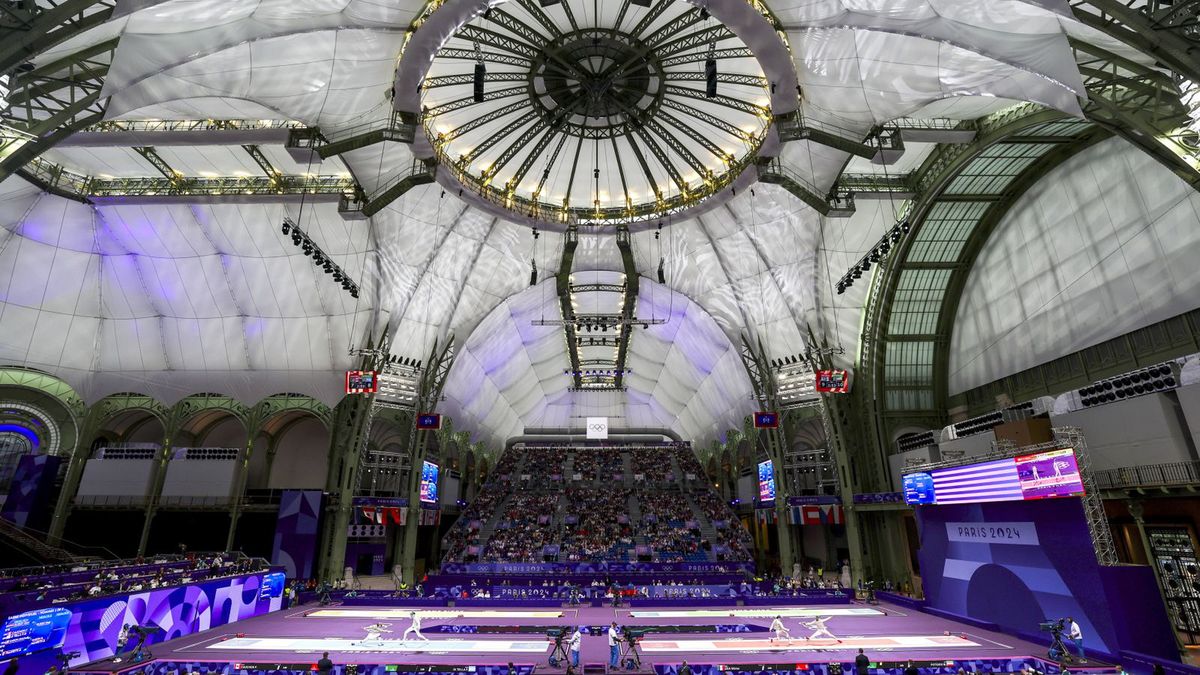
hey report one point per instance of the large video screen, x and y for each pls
(33, 631)
(766, 481)
(1041, 475)
(429, 483)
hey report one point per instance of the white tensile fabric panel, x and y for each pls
(685, 373)
(174, 299)
(1102, 245)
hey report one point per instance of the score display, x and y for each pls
(34, 631)
(429, 483)
(766, 420)
(766, 481)
(1042, 475)
(362, 381)
(832, 381)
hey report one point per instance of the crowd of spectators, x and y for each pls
(524, 528)
(653, 464)
(596, 522)
(83, 581)
(598, 464)
(599, 533)
(669, 528)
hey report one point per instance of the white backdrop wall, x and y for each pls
(1103, 245)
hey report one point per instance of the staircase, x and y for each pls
(30, 549)
(627, 470)
(488, 527)
(707, 531)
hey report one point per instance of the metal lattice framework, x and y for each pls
(594, 94)
(960, 195)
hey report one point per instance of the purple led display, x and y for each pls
(1037, 476)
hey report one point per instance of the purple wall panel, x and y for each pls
(28, 502)
(296, 532)
(1018, 563)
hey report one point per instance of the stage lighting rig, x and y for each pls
(319, 257)
(1158, 378)
(878, 253)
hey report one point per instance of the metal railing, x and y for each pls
(1149, 475)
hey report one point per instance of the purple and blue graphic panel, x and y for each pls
(92, 626)
(29, 494)
(1038, 476)
(766, 481)
(1016, 564)
(429, 483)
(296, 530)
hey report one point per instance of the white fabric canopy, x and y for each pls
(171, 300)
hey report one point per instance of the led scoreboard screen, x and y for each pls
(429, 482)
(34, 631)
(362, 381)
(766, 481)
(833, 381)
(1041, 475)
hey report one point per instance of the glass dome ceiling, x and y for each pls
(595, 112)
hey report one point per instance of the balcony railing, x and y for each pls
(1150, 475)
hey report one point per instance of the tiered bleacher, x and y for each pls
(555, 503)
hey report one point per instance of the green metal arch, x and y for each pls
(938, 187)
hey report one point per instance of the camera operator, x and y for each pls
(1076, 637)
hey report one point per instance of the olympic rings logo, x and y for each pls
(598, 427)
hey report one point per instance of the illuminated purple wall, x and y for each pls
(28, 502)
(1015, 564)
(177, 611)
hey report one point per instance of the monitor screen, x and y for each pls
(766, 420)
(833, 381)
(34, 631)
(1036, 476)
(429, 483)
(766, 481)
(361, 382)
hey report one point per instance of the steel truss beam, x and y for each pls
(469, 79)
(51, 102)
(497, 40)
(483, 119)
(162, 133)
(723, 78)
(64, 183)
(460, 103)
(1166, 31)
(33, 27)
(562, 282)
(727, 101)
(662, 159)
(712, 120)
(719, 54)
(158, 162)
(629, 304)
(490, 57)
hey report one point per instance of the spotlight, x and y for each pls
(296, 239)
(286, 228)
(703, 12)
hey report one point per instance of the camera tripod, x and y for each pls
(1058, 649)
(630, 654)
(559, 652)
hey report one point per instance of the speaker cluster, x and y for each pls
(1149, 380)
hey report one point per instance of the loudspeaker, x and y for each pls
(480, 71)
(710, 77)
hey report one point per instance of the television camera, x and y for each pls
(1058, 649)
(560, 651)
(630, 657)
